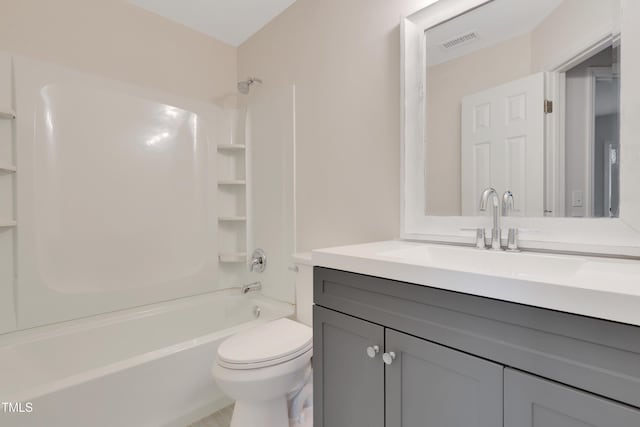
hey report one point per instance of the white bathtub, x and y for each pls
(142, 367)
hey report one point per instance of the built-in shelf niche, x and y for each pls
(232, 192)
(231, 165)
(6, 169)
(232, 201)
(232, 236)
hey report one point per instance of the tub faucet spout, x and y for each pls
(255, 286)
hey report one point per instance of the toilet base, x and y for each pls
(271, 413)
(305, 420)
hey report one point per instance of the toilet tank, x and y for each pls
(304, 287)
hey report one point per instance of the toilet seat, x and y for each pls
(267, 345)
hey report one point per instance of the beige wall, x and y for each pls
(344, 58)
(116, 40)
(574, 25)
(447, 84)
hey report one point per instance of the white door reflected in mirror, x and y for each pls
(507, 154)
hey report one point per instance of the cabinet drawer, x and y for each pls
(530, 401)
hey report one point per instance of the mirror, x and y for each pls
(524, 96)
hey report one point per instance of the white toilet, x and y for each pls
(261, 367)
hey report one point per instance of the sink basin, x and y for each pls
(589, 286)
(519, 265)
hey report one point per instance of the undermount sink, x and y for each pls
(522, 265)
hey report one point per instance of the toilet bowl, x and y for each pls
(259, 368)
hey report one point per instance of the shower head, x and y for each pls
(245, 85)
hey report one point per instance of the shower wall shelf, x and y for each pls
(7, 169)
(7, 114)
(7, 224)
(231, 182)
(231, 147)
(232, 218)
(233, 257)
(233, 196)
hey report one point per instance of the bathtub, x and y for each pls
(148, 366)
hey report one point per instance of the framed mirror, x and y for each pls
(533, 99)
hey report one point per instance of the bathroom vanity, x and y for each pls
(500, 109)
(403, 339)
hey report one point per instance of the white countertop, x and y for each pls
(598, 287)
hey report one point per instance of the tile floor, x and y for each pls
(222, 418)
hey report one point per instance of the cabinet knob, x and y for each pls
(388, 358)
(372, 350)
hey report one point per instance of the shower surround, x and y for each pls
(112, 239)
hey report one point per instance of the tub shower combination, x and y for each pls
(112, 298)
(152, 365)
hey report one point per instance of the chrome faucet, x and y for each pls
(492, 194)
(255, 286)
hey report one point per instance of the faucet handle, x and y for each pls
(258, 261)
(512, 241)
(480, 239)
(507, 203)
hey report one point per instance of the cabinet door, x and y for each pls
(348, 384)
(429, 385)
(530, 401)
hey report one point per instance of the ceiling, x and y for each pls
(493, 23)
(231, 21)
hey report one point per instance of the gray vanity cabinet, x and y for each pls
(530, 401)
(431, 385)
(464, 361)
(352, 393)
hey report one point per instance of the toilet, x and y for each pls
(267, 369)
